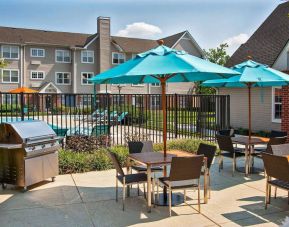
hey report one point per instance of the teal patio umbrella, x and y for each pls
(163, 65)
(253, 74)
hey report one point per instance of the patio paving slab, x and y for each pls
(65, 215)
(89, 200)
(60, 192)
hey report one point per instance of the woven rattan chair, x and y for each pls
(275, 133)
(184, 173)
(272, 141)
(227, 132)
(125, 179)
(277, 170)
(138, 147)
(209, 152)
(228, 150)
(142, 146)
(281, 149)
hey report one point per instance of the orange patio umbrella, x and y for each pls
(23, 90)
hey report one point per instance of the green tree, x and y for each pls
(219, 56)
(3, 63)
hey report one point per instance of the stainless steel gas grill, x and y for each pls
(28, 153)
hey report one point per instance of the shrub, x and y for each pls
(189, 145)
(71, 161)
(82, 143)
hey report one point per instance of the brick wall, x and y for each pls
(285, 109)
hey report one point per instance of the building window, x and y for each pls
(155, 84)
(38, 53)
(118, 58)
(137, 101)
(10, 76)
(37, 75)
(87, 56)
(63, 56)
(155, 101)
(85, 77)
(276, 104)
(10, 52)
(63, 78)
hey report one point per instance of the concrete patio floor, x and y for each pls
(88, 200)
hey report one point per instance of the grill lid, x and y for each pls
(32, 129)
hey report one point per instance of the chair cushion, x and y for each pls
(178, 184)
(280, 183)
(230, 155)
(133, 178)
(144, 168)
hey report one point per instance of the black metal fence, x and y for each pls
(121, 116)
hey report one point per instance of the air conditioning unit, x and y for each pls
(36, 84)
(35, 63)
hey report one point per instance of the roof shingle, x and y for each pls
(268, 41)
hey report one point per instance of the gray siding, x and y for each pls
(261, 111)
(48, 65)
(12, 64)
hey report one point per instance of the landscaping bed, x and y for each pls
(80, 161)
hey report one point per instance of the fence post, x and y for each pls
(176, 115)
(22, 106)
(108, 112)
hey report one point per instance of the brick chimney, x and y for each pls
(103, 45)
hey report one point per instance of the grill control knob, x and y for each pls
(43, 146)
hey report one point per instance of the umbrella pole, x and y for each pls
(164, 108)
(249, 85)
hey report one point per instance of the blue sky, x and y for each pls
(210, 22)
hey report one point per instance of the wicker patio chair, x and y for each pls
(138, 147)
(275, 133)
(272, 141)
(183, 174)
(228, 150)
(209, 152)
(227, 132)
(277, 169)
(126, 179)
(142, 146)
(281, 149)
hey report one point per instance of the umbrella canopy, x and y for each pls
(163, 65)
(23, 90)
(253, 74)
(160, 62)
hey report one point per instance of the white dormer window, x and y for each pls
(118, 58)
(87, 56)
(62, 56)
(37, 52)
(156, 84)
(10, 52)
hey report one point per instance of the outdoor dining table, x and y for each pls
(150, 159)
(249, 146)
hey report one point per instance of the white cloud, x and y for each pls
(235, 41)
(140, 30)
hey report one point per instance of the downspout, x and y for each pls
(74, 71)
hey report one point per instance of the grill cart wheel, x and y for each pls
(52, 179)
(24, 189)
